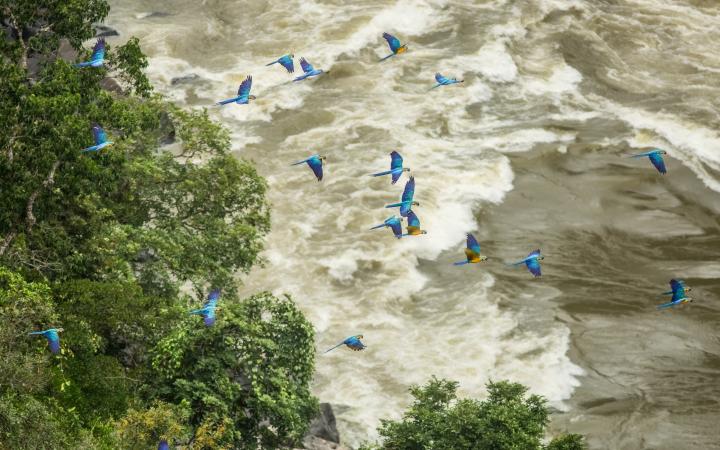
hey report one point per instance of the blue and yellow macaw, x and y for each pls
(532, 261)
(308, 69)
(352, 342)
(655, 156)
(676, 285)
(98, 56)
(243, 94)
(316, 164)
(286, 61)
(53, 338)
(678, 295)
(406, 202)
(163, 445)
(209, 308)
(394, 44)
(396, 168)
(394, 224)
(100, 140)
(443, 81)
(413, 225)
(472, 252)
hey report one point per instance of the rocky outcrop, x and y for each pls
(323, 433)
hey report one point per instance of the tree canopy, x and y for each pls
(437, 419)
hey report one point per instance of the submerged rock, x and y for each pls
(185, 79)
(104, 31)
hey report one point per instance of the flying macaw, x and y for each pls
(406, 202)
(51, 334)
(413, 225)
(98, 55)
(163, 445)
(677, 285)
(286, 61)
(209, 307)
(352, 342)
(100, 140)
(395, 46)
(472, 252)
(655, 156)
(394, 224)
(443, 81)
(243, 94)
(532, 262)
(309, 70)
(396, 167)
(316, 164)
(678, 295)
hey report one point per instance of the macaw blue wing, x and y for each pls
(392, 41)
(396, 227)
(395, 176)
(287, 62)
(413, 220)
(354, 343)
(316, 165)
(533, 266)
(409, 191)
(472, 243)
(396, 161)
(244, 89)
(209, 318)
(99, 135)
(213, 298)
(163, 445)
(534, 254)
(440, 79)
(677, 285)
(98, 51)
(657, 160)
(678, 294)
(306, 66)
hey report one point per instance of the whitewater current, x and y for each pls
(527, 153)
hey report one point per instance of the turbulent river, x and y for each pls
(527, 153)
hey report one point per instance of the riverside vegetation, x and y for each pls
(115, 247)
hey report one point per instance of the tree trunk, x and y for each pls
(49, 181)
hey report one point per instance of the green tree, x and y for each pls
(438, 420)
(246, 378)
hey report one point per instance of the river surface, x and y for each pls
(527, 153)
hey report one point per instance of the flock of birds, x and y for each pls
(678, 288)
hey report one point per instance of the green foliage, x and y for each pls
(567, 442)
(438, 420)
(146, 427)
(38, 25)
(246, 378)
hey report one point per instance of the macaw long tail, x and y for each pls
(274, 62)
(83, 64)
(334, 347)
(388, 56)
(225, 102)
(436, 86)
(460, 263)
(378, 226)
(36, 332)
(379, 174)
(665, 306)
(396, 205)
(667, 293)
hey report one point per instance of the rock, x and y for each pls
(167, 128)
(184, 79)
(316, 443)
(111, 85)
(105, 31)
(324, 426)
(66, 52)
(150, 15)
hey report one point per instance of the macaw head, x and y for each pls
(416, 203)
(483, 257)
(662, 152)
(359, 336)
(322, 158)
(59, 330)
(541, 257)
(252, 97)
(423, 231)
(406, 169)
(291, 55)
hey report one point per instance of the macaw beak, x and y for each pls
(252, 97)
(61, 329)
